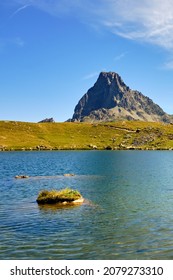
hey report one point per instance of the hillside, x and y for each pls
(76, 136)
(111, 99)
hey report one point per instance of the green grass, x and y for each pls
(77, 136)
(54, 196)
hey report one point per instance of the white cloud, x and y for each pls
(91, 75)
(5, 42)
(168, 65)
(54, 7)
(19, 10)
(18, 42)
(120, 56)
(149, 21)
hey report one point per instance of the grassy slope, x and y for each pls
(116, 135)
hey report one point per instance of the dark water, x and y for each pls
(128, 215)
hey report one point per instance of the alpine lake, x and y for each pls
(127, 213)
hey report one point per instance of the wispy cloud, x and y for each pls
(54, 7)
(149, 21)
(17, 41)
(5, 42)
(120, 56)
(91, 75)
(19, 10)
(168, 65)
(146, 21)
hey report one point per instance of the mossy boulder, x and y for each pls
(64, 196)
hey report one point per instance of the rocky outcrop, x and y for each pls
(47, 120)
(111, 99)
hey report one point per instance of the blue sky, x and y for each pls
(52, 51)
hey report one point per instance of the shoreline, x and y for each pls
(85, 149)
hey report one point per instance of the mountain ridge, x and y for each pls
(110, 99)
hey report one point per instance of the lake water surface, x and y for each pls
(128, 213)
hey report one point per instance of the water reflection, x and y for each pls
(56, 207)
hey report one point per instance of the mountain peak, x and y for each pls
(111, 99)
(108, 75)
(111, 78)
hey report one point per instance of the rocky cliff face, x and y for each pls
(111, 99)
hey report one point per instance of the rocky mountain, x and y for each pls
(111, 99)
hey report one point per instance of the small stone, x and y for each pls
(21, 177)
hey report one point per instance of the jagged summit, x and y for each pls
(111, 99)
(112, 78)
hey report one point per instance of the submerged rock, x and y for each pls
(21, 177)
(62, 197)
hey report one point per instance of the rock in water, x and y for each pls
(63, 197)
(69, 174)
(111, 99)
(21, 177)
